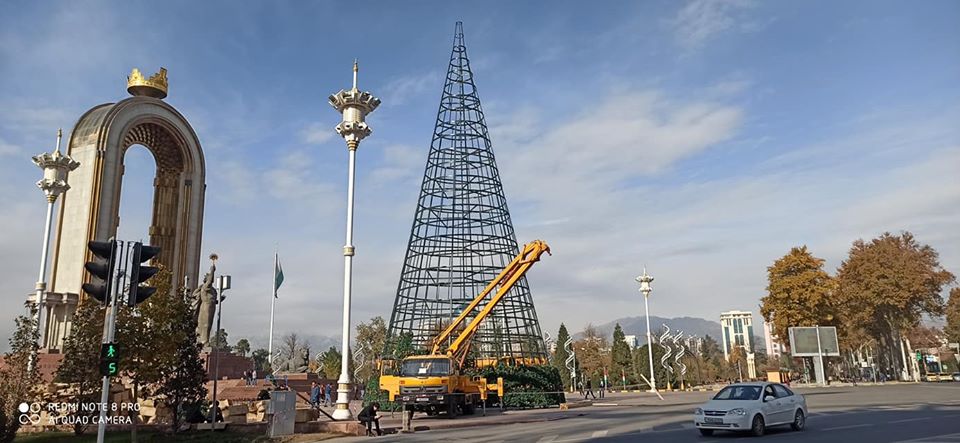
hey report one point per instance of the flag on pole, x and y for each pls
(277, 277)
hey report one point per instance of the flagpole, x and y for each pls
(273, 304)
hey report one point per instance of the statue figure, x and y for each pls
(205, 307)
(299, 362)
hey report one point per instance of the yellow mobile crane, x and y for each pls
(436, 382)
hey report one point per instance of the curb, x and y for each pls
(455, 424)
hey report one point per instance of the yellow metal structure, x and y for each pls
(435, 383)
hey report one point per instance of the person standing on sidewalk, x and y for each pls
(589, 390)
(603, 387)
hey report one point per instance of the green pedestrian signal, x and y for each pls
(109, 359)
(919, 356)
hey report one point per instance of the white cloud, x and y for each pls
(701, 20)
(9, 149)
(399, 90)
(317, 133)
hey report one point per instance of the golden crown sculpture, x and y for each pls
(155, 86)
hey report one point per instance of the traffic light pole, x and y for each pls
(109, 328)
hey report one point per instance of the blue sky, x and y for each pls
(702, 139)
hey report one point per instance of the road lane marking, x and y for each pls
(548, 439)
(862, 425)
(598, 434)
(911, 419)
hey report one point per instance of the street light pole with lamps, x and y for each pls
(223, 283)
(354, 105)
(54, 182)
(645, 288)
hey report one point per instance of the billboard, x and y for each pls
(804, 342)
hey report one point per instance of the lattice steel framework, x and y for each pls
(462, 235)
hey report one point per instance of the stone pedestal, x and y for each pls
(231, 365)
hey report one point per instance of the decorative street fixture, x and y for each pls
(223, 283)
(355, 106)
(55, 167)
(645, 288)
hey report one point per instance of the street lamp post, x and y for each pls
(354, 105)
(645, 288)
(223, 283)
(54, 182)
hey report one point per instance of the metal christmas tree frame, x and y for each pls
(462, 234)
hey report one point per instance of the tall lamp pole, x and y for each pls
(354, 105)
(645, 288)
(223, 283)
(55, 168)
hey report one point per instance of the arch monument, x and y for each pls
(90, 210)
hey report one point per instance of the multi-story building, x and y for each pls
(774, 348)
(631, 340)
(737, 331)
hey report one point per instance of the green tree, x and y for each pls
(952, 312)
(17, 383)
(560, 355)
(798, 293)
(886, 285)
(620, 358)
(81, 358)
(405, 347)
(220, 341)
(242, 347)
(331, 362)
(261, 361)
(592, 354)
(373, 337)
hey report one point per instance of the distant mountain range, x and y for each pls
(689, 325)
(638, 326)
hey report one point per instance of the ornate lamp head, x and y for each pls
(645, 281)
(155, 86)
(354, 105)
(55, 168)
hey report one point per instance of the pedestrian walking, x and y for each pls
(253, 375)
(328, 395)
(589, 390)
(246, 378)
(603, 386)
(314, 394)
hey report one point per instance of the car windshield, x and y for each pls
(425, 367)
(738, 393)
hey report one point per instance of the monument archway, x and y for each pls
(90, 210)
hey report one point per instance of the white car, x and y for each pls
(751, 407)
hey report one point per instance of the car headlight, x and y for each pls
(737, 411)
(698, 411)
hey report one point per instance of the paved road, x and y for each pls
(920, 413)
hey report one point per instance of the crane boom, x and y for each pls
(507, 278)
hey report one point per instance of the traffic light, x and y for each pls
(101, 269)
(919, 356)
(140, 273)
(109, 359)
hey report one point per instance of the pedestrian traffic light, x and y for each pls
(101, 269)
(140, 273)
(919, 356)
(109, 359)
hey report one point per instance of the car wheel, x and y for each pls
(798, 421)
(706, 432)
(758, 427)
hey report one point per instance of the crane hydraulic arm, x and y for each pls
(502, 283)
